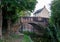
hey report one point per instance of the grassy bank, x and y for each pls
(26, 39)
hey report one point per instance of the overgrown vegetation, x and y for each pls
(17, 38)
(52, 32)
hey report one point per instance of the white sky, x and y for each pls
(42, 3)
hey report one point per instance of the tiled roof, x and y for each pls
(38, 11)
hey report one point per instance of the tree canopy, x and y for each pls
(14, 7)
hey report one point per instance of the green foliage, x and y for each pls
(28, 33)
(1, 40)
(55, 18)
(51, 33)
(14, 7)
(20, 4)
(55, 12)
(26, 39)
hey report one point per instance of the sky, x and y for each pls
(42, 3)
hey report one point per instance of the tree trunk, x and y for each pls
(4, 22)
(0, 23)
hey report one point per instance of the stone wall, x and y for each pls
(36, 20)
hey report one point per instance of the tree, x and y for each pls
(11, 9)
(55, 20)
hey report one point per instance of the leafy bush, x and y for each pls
(28, 33)
(26, 39)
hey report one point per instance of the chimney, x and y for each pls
(44, 6)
